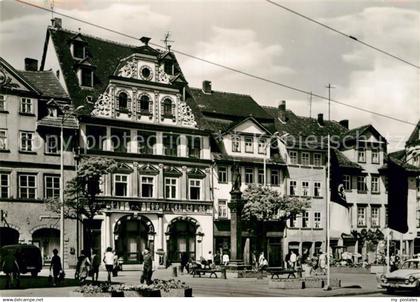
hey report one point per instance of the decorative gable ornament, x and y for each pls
(196, 173)
(129, 70)
(185, 115)
(163, 77)
(103, 105)
(148, 169)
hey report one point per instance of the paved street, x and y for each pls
(352, 285)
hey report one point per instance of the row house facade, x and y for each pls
(30, 157)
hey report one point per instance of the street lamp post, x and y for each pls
(67, 111)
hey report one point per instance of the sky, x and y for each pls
(262, 39)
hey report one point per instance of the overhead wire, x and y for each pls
(343, 34)
(223, 66)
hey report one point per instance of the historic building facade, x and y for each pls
(30, 157)
(139, 111)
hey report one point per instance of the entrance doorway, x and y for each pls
(182, 240)
(47, 239)
(132, 237)
(274, 251)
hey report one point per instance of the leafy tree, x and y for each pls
(80, 193)
(262, 204)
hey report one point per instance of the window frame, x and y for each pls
(47, 142)
(305, 161)
(152, 184)
(262, 146)
(197, 184)
(173, 139)
(221, 172)
(248, 174)
(317, 185)
(28, 147)
(307, 192)
(173, 186)
(275, 175)
(126, 182)
(375, 184)
(305, 219)
(293, 159)
(3, 140)
(146, 137)
(378, 217)
(316, 163)
(166, 103)
(224, 208)
(364, 222)
(26, 103)
(5, 188)
(27, 187)
(83, 77)
(236, 143)
(347, 182)
(377, 160)
(359, 182)
(53, 188)
(292, 184)
(317, 220)
(3, 106)
(249, 144)
(361, 151)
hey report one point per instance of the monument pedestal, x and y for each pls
(236, 205)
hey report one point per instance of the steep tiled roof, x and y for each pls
(45, 82)
(344, 162)
(49, 121)
(399, 157)
(358, 132)
(414, 138)
(299, 126)
(227, 104)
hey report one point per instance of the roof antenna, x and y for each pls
(167, 41)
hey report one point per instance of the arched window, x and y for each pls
(167, 107)
(123, 101)
(145, 104)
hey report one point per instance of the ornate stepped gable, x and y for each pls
(185, 115)
(103, 105)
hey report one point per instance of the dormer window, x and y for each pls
(168, 108)
(145, 104)
(78, 50)
(86, 77)
(169, 67)
(123, 102)
(146, 73)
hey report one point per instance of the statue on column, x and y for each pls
(236, 177)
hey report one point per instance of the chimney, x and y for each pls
(56, 23)
(344, 123)
(145, 40)
(321, 119)
(282, 111)
(207, 87)
(31, 64)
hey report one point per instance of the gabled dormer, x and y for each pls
(85, 72)
(78, 47)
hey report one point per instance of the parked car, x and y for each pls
(407, 277)
(28, 257)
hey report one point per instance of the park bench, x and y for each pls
(202, 271)
(277, 271)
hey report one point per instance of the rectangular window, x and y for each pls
(317, 189)
(374, 184)
(26, 141)
(236, 143)
(317, 159)
(222, 174)
(121, 185)
(275, 177)
(361, 216)
(120, 140)
(262, 148)
(194, 146)
(26, 105)
(2, 103)
(361, 184)
(293, 220)
(78, 50)
(169, 67)
(27, 186)
(3, 139)
(4, 185)
(170, 144)
(292, 187)
(170, 188)
(249, 144)
(361, 155)
(222, 208)
(86, 77)
(52, 186)
(261, 176)
(195, 189)
(305, 188)
(305, 219)
(293, 157)
(374, 216)
(347, 182)
(375, 157)
(418, 218)
(52, 145)
(305, 159)
(317, 220)
(96, 137)
(146, 185)
(146, 142)
(249, 175)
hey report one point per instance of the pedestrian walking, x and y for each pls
(83, 267)
(322, 262)
(225, 259)
(55, 267)
(254, 259)
(287, 260)
(184, 261)
(109, 262)
(217, 258)
(10, 267)
(293, 259)
(147, 268)
(209, 259)
(96, 262)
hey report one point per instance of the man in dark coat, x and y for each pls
(147, 268)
